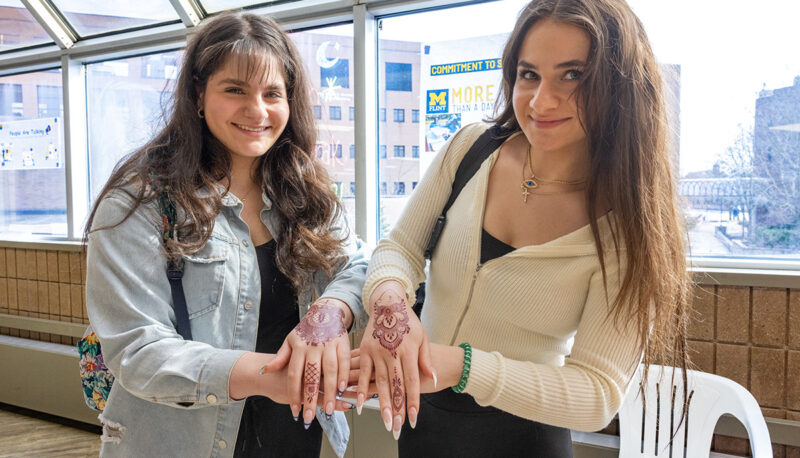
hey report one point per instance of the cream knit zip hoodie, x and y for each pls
(544, 346)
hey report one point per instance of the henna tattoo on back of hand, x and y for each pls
(311, 381)
(397, 393)
(391, 321)
(322, 323)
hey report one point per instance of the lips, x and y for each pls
(548, 124)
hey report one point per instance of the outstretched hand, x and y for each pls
(395, 347)
(317, 356)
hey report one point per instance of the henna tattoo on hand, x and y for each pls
(322, 323)
(311, 381)
(391, 321)
(397, 394)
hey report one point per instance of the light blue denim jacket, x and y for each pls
(170, 397)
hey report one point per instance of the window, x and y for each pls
(10, 100)
(399, 115)
(352, 151)
(319, 150)
(382, 152)
(317, 111)
(93, 19)
(413, 185)
(399, 188)
(32, 175)
(399, 151)
(337, 75)
(352, 188)
(383, 188)
(415, 116)
(339, 151)
(398, 76)
(160, 66)
(352, 114)
(335, 112)
(382, 114)
(415, 151)
(19, 27)
(49, 100)
(128, 105)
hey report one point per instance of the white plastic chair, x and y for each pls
(645, 431)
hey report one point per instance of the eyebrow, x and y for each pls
(238, 82)
(567, 64)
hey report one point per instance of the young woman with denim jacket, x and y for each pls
(268, 263)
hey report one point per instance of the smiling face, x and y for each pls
(246, 115)
(550, 65)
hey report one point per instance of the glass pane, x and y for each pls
(32, 177)
(18, 27)
(328, 57)
(126, 99)
(93, 17)
(737, 125)
(219, 5)
(427, 98)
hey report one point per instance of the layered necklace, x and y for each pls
(533, 182)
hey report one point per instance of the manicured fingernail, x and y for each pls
(295, 411)
(329, 409)
(306, 425)
(435, 381)
(398, 425)
(262, 370)
(374, 396)
(308, 417)
(387, 418)
(412, 417)
(328, 417)
(352, 388)
(342, 386)
(360, 403)
(351, 406)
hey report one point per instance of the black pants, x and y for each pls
(454, 425)
(272, 432)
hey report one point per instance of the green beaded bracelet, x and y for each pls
(462, 384)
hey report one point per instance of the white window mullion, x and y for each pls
(366, 129)
(75, 145)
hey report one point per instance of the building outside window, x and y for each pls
(382, 151)
(399, 151)
(352, 188)
(382, 115)
(415, 116)
(399, 115)
(413, 185)
(335, 113)
(49, 100)
(415, 151)
(383, 188)
(352, 151)
(317, 111)
(10, 100)
(352, 114)
(399, 188)
(337, 75)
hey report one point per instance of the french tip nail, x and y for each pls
(396, 434)
(328, 417)
(387, 423)
(306, 425)
(412, 423)
(358, 408)
(374, 396)
(435, 382)
(296, 417)
(340, 393)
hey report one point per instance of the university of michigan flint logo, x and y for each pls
(437, 101)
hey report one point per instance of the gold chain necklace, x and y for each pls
(533, 181)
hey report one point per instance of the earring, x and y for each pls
(200, 113)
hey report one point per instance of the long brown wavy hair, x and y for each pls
(188, 158)
(622, 104)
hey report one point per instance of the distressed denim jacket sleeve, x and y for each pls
(127, 298)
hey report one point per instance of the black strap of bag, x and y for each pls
(174, 267)
(483, 147)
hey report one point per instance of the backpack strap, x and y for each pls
(174, 267)
(483, 147)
